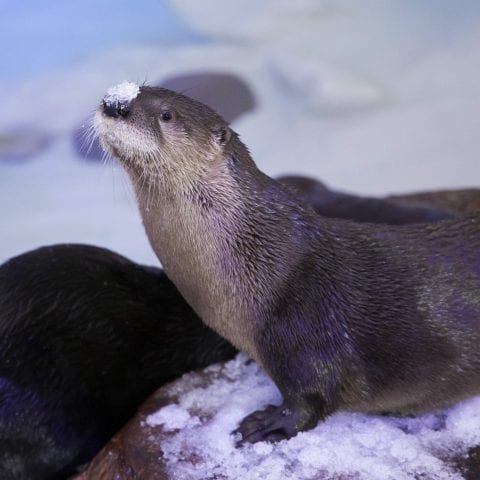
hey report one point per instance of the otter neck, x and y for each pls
(222, 242)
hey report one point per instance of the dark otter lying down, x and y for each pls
(85, 336)
(393, 210)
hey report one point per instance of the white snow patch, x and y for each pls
(171, 417)
(345, 445)
(123, 92)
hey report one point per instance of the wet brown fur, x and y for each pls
(340, 314)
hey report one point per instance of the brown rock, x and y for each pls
(130, 454)
(135, 451)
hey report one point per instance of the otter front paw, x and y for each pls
(273, 424)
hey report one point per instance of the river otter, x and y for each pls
(85, 336)
(335, 204)
(456, 201)
(363, 317)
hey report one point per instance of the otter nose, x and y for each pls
(115, 108)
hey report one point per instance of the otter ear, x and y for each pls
(221, 135)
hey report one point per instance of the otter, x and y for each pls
(335, 204)
(456, 201)
(85, 336)
(340, 314)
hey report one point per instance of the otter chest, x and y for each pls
(193, 257)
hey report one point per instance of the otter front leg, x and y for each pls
(306, 363)
(276, 423)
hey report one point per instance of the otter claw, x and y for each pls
(272, 424)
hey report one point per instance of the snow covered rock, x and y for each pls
(183, 432)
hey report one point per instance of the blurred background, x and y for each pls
(373, 97)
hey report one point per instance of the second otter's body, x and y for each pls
(336, 204)
(85, 336)
(341, 315)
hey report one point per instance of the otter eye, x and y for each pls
(167, 116)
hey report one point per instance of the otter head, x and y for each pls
(160, 136)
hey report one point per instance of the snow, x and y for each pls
(172, 417)
(345, 445)
(122, 93)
